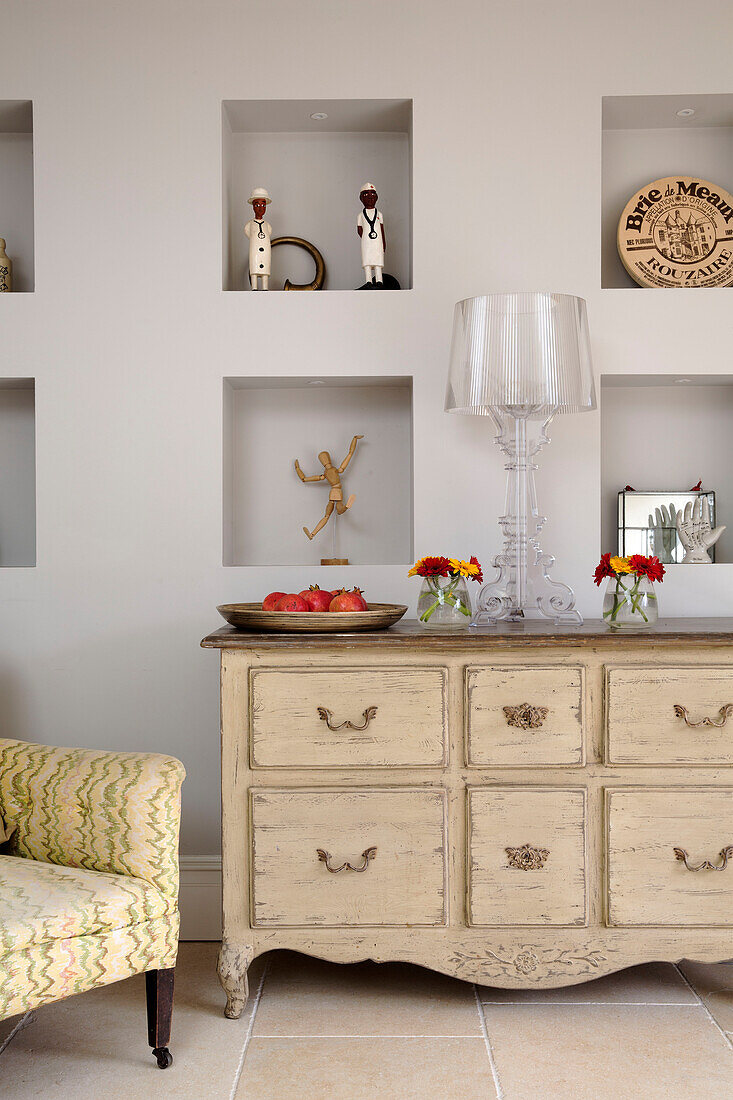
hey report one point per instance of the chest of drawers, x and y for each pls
(518, 806)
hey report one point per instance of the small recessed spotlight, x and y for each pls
(682, 381)
(684, 112)
(316, 382)
(319, 116)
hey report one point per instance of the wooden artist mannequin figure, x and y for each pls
(370, 227)
(331, 474)
(258, 233)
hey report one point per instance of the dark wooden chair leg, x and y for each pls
(159, 993)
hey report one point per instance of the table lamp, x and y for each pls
(520, 359)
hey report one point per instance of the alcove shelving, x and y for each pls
(17, 472)
(16, 188)
(665, 432)
(313, 156)
(269, 422)
(648, 137)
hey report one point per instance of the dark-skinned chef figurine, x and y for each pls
(370, 227)
(258, 233)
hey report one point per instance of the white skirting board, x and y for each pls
(199, 898)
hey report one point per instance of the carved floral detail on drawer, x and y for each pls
(527, 858)
(529, 962)
(526, 716)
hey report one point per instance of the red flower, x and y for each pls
(650, 567)
(655, 570)
(603, 569)
(430, 567)
(638, 564)
(479, 576)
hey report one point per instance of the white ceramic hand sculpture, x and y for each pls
(695, 534)
(664, 538)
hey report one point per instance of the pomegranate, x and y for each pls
(318, 599)
(358, 592)
(348, 601)
(291, 602)
(268, 604)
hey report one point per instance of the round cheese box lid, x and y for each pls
(678, 231)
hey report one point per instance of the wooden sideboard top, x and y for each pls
(408, 633)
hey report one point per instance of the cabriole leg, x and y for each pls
(234, 960)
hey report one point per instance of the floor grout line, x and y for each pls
(603, 1004)
(320, 1035)
(706, 1010)
(248, 1036)
(487, 1044)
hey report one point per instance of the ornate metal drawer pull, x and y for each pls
(367, 855)
(526, 717)
(723, 715)
(527, 858)
(706, 865)
(327, 716)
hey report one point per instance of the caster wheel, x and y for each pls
(163, 1057)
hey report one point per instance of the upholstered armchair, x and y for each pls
(88, 876)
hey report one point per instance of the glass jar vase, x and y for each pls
(630, 603)
(444, 603)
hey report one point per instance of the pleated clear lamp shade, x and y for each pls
(521, 358)
(528, 352)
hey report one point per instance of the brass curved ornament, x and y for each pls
(367, 856)
(525, 716)
(320, 276)
(326, 716)
(527, 858)
(719, 721)
(706, 865)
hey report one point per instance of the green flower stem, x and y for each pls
(447, 597)
(631, 596)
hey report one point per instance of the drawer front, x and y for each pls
(393, 841)
(669, 715)
(525, 717)
(655, 839)
(526, 852)
(367, 717)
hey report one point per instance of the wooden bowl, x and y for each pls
(250, 616)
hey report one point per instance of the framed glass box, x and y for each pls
(646, 522)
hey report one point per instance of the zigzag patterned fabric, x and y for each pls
(59, 968)
(41, 901)
(106, 811)
(89, 878)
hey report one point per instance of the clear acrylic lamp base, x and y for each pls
(523, 589)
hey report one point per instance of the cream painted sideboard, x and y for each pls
(518, 806)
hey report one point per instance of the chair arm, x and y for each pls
(105, 811)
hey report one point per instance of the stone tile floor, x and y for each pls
(319, 1031)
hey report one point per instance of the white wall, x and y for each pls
(129, 334)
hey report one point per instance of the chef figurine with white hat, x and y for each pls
(370, 227)
(259, 232)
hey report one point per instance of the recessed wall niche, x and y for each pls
(269, 422)
(16, 188)
(644, 139)
(314, 168)
(17, 472)
(667, 432)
